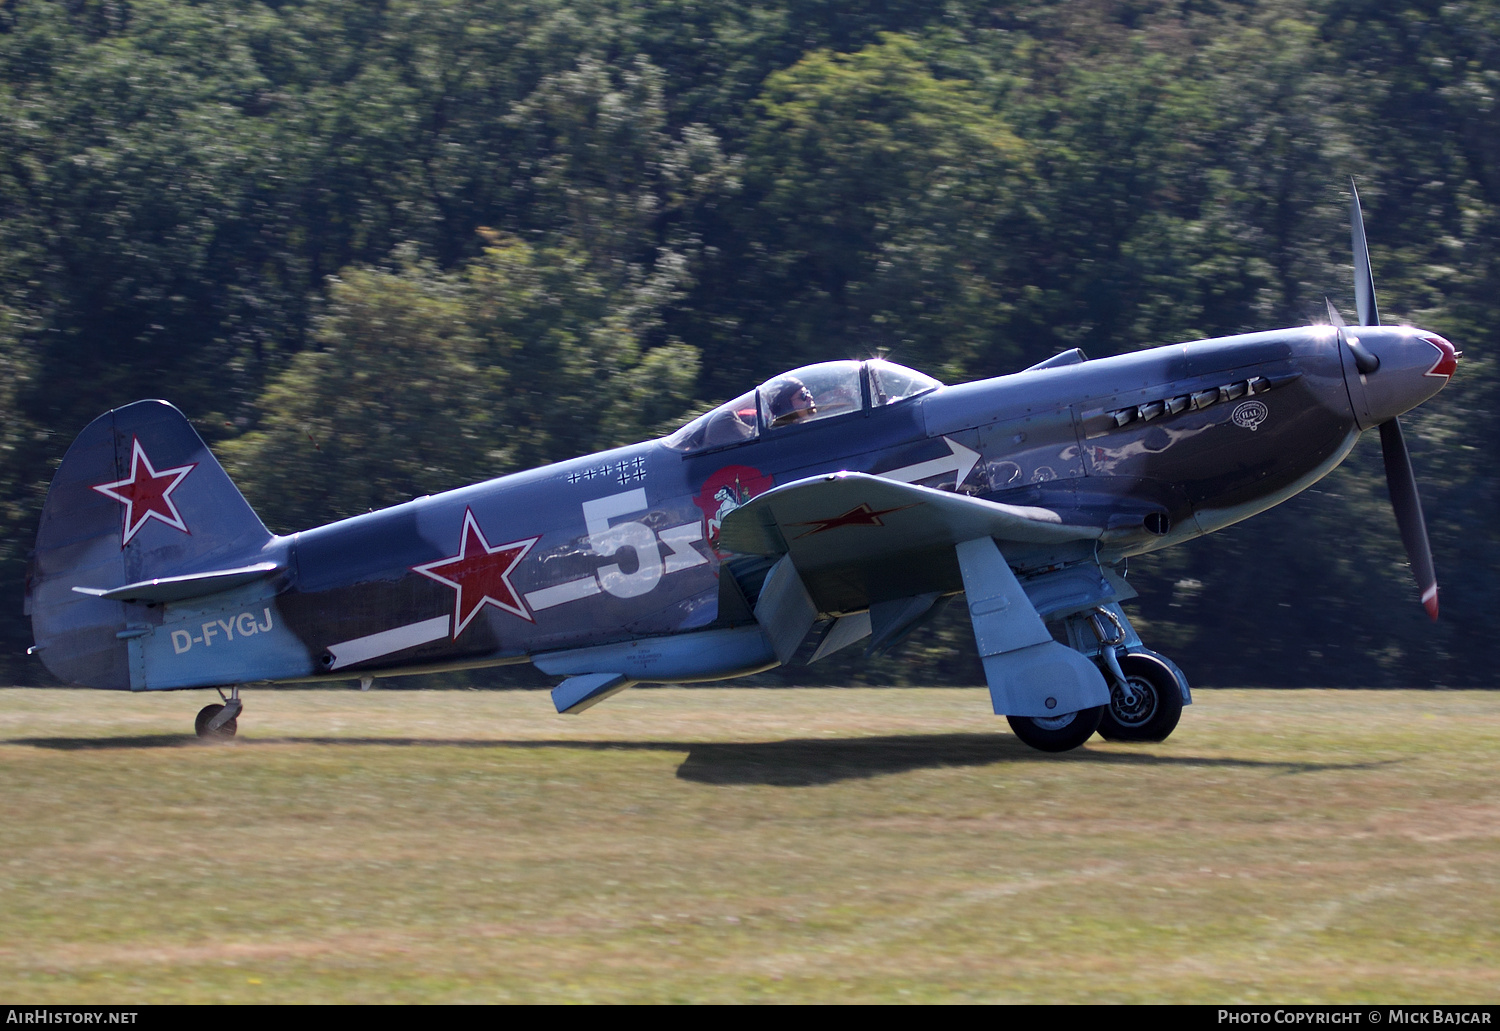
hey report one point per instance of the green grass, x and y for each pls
(739, 845)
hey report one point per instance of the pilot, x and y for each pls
(791, 403)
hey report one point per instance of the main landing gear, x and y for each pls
(219, 722)
(1146, 691)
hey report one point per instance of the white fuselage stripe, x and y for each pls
(564, 592)
(347, 653)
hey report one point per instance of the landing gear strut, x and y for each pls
(1146, 691)
(219, 722)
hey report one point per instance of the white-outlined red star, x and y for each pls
(147, 497)
(480, 574)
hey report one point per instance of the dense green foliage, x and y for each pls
(381, 249)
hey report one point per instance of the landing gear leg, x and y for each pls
(219, 722)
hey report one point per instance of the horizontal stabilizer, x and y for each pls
(165, 589)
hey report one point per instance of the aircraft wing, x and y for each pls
(817, 518)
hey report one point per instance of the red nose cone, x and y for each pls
(1447, 362)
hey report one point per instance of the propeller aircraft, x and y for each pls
(843, 502)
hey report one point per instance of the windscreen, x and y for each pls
(890, 382)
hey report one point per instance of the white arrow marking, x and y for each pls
(347, 653)
(961, 461)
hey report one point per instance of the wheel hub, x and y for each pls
(1135, 707)
(1055, 722)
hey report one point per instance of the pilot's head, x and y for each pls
(791, 402)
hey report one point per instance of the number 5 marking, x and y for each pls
(607, 540)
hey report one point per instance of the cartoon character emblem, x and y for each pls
(1250, 414)
(723, 492)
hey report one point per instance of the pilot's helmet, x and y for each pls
(791, 401)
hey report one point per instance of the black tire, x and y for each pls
(1057, 734)
(1153, 713)
(221, 733)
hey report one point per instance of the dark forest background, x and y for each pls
(380, 249)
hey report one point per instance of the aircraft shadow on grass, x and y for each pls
(794, 762)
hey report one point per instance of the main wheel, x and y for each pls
(221, 733)
(1153, 707)
(1057, 733)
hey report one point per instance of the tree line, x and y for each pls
(380, 250)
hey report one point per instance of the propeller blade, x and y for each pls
(1408, 507)
(1364, 279)
(1365, 360)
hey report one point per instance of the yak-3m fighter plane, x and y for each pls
(841, 502)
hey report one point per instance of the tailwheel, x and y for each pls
(1147, 706)
(222, 732)
(220, 722)
(1057, 733)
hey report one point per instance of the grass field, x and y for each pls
(742, 845)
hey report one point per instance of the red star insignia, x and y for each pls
(480, 574)
(147, 494)
(861, 516)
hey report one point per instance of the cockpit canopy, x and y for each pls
(813, 392)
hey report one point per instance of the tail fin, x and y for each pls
(138, 498)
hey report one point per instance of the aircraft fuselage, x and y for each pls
(1154, 447)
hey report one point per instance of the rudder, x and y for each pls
(138, 496)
